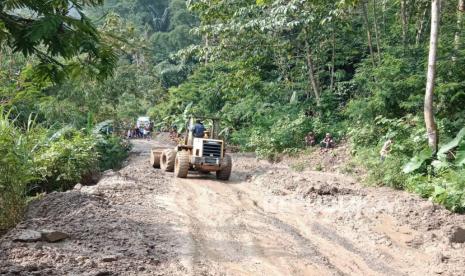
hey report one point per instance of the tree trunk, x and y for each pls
(375, 22)
(429, 93)
(383, 8)
(367, 24)
(420, 26)
(333, 59)
(316, 67)
(311, 72)
(458, 31)
(404, 19)
(206, 49)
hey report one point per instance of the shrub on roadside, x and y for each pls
(447, 188)
(112, 151)
(15, 173)
(32, 161)
(63, 160)
(282, 136)
(387, 172)
(410, 164)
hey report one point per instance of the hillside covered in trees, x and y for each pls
(272, 70)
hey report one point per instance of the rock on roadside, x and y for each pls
(53, 236)
(109, 259)
(28, 236)
(457, 235)
(43, 235)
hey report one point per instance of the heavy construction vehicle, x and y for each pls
(206, 154)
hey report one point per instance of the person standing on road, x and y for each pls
(385, 150)
(136, 132)
(147, 132)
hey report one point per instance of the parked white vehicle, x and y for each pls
(142, 122)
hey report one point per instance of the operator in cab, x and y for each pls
(198, 129)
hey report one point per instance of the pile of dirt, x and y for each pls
(116, 221)
(338, 160)
(305, 184)
(283, 179)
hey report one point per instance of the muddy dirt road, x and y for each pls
(268, 220)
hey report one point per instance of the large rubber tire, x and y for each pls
(181, 167)
(155, 159)
(226, 167)
(168, 158)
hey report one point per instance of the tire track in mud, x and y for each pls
(257, 230)
(372, 263)
(308, 248)
(306, 241)
(333, 241)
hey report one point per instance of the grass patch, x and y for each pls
(299, 166)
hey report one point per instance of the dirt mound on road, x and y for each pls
(58, 205)
(336, 160)
(118, 221)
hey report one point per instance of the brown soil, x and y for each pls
(269, 219)
(337, 160)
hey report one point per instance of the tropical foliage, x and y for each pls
(58, 33)
(275, 70)
(271, 69)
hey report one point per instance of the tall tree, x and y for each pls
(422, 18)
(429, 94)
(311, 71)
(458, 31)
(376, 29)
(368, 30)
(404, 19)
(55, 30)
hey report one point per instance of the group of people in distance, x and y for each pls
(143, 131)
(326, 143)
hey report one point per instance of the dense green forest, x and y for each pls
(272, 70)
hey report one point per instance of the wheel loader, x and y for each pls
(205, 155)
